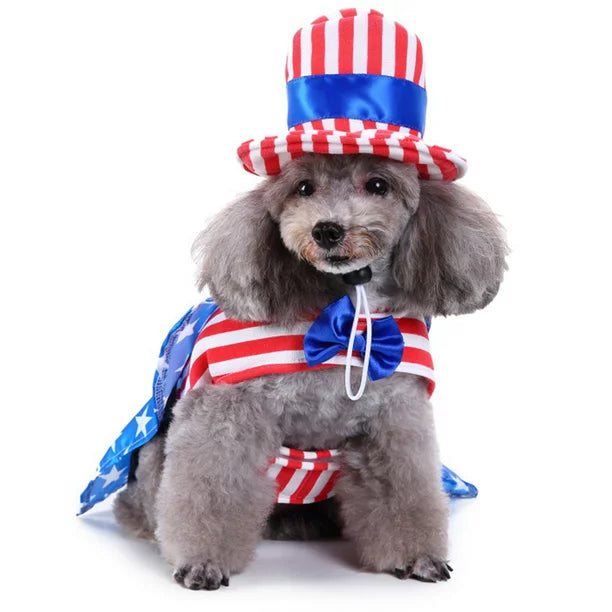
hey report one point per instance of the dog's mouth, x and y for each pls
(337, 259)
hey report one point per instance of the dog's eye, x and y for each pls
(305, 188)
(377, 186)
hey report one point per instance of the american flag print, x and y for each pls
(301, 476)
(353, 42)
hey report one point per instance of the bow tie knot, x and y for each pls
(330, 332)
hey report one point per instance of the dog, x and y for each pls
(356, 209)
(434, 249)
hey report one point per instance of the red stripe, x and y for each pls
(342, 125)
(412, 326)
(423, 171)
(261, 346)
(321, 19)
(304, 488)
(368, 124)
(283, 477)
(447, 168)
(319, 143)
(228, 325)
(401, 51)
(348, 12)
(374, 43)
(345, 42)
(379, 146)
(326, 490)
(297, 54)
(418, 67)
(270, 158)
(317, 124)
(197, 369)
(416, 355)
(318, 49)
(349, 145)
(294, 143)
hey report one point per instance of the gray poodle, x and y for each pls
(199, 487)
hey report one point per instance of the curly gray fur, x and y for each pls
(435, 249)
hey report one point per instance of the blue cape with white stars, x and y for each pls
(114, 467)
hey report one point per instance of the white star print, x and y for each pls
(142, 420)
(187, 331)
(112, 476)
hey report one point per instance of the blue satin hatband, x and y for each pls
(372, 97)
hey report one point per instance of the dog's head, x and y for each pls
(280, 251)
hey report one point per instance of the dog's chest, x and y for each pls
(314, 411)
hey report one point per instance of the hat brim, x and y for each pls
(268, 156)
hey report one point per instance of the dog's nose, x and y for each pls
(327, 234)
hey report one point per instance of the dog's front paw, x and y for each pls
(425, 569)
(205, 575)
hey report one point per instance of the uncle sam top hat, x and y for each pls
(355, 84)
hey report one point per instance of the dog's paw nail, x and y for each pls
(205, 576)
(426, 569)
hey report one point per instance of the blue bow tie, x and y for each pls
(330, 332)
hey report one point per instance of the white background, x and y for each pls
(119, 122)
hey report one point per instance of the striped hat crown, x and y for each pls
(362, 47)
(355, 85)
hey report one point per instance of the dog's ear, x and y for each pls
(451, 256)
(249, 271)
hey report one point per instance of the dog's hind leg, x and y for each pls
(134, 507)
(390, 490)
(215, 495)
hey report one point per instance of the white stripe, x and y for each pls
(422, 78)
(364, 146)
(216, 319)
(416, 341)
(426, 158)
(360, 44)
(244, 363)
(328, 124)
(254, 333)
(395, 150)
(318, 486)
(290, 62)
(415, 368)
(306, 49)
(331, 47)
(258, 163)
(388, 47)
(355, 125)
(411, 57)
(273, 470)
(293, 484)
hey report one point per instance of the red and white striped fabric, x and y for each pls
(228, 351)
(304, 477)
(353, 42)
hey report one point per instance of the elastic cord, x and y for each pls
(361, 297)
